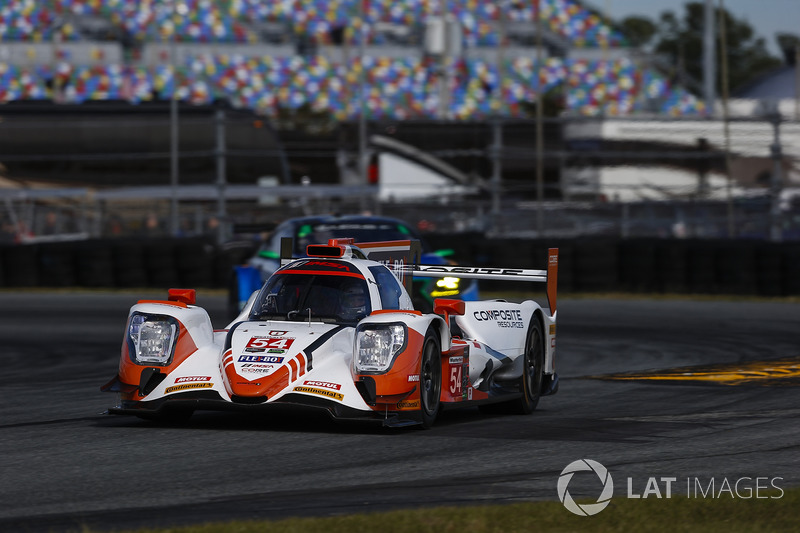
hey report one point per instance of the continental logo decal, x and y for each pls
(188, 386)
(413, 404)
(552, 329)
(321, 392)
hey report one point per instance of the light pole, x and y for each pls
(173, 116)
(539, 125)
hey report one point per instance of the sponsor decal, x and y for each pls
(329, 264)
(189, 379)
(265, 343)
(323, 384)
(456, 360)
(188, 386)
(277, 333)
(552, 329)
(413, 378)
(321, 392)
(260, 359)
(405, 404)
(505, 318)
(255, 371)
(554, 260)
(474, 270)
(257, 365)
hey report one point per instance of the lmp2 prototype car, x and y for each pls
(337, 330)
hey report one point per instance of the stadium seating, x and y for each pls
(218, 21)
(397, 88)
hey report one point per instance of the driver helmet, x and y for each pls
(353, 300)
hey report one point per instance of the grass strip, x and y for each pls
(774, 513)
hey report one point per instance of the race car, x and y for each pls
(337, 330)
(363, 228)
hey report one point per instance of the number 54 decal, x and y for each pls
(270, 342)
(455, 380)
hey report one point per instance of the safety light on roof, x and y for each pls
(323, 250)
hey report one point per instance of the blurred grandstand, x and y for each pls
(290, 53)
(283, 59)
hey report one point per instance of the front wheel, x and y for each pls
(532, 370)
(430, 378)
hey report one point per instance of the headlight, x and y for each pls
(377, 345)
(152, 338)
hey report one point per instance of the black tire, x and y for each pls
(430, 378)
(532, 370)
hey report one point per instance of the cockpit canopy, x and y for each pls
(296, 294)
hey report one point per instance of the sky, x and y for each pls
(767, 17)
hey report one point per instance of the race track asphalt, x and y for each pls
(64, 465)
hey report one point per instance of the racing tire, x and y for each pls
(430, 379)
(532, 370)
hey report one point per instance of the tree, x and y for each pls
(638, 30)
(789, 45)
(680, 40)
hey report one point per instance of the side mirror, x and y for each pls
(187, 296)
(447, 307)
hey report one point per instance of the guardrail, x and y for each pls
(720, 267)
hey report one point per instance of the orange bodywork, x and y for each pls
(397, 389)
(130, 372)
(268, 385)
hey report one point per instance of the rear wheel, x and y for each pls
(430, 378)
(533, 369)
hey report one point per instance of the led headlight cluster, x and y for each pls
(377, 345)
(152, 338)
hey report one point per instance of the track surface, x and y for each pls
(64, 465)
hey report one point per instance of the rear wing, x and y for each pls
(403, 257)
(548, 276)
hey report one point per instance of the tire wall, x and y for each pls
(596, 265)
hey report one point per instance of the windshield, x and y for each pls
(316, 297)
(366, 231)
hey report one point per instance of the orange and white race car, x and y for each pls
(337, 330)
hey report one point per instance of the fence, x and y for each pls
(693, 266)
(82, 174)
